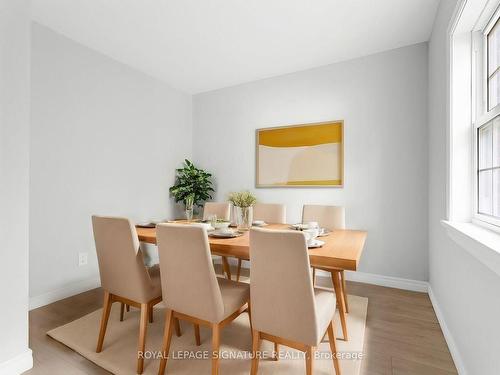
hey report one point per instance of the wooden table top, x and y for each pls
(342, 248)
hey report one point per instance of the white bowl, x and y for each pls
(225, 230)
(222, 224)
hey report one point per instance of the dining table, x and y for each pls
(340, 252)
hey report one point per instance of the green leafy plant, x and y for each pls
(192, 185)
(242, 199)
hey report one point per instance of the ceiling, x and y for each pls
(202, 45)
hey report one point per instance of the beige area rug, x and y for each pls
(120, 345)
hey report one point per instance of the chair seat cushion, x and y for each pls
(234, 295)
(154, 274)
(325, 309)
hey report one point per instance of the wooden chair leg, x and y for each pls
(314, 276)
(256, 341)
(197, 334)
(178, 332)
(106, 309)
(344, 291)
(128, 308)
(227, 269)
(333, 347)
(340, 302)
(276, 351)
(150, 310)
(215, 348)
(122, 310)
(238, 271)
(309, 360)
(167, 338)
(143, 327)
(249, 311)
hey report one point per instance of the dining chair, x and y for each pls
(281, 284)
(194, 292)
(223, 211)
(270, 212)
(330, 218)
(273, 213)
(124, 277)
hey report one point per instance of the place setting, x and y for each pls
(312, 231)
(220, 228)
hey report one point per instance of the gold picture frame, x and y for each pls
(301, 155)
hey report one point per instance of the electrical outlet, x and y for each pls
(83, 259)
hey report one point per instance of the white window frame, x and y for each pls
(481, 116)
(478, 238)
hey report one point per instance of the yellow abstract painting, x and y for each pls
(300, 155)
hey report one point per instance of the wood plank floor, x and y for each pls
(402, 335)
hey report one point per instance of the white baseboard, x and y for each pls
(363, 277)
(17, 365)
(452, 346)
(368, 278)
(388, 281)
(65, 292)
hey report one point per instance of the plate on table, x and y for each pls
(323, 232)
(146, 225)
(219, 234)
(299, 226)
(259, 223)
(315, 244)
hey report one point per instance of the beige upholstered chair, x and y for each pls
(194, 292)
(124, 277)
(270, 213)
(286, 309)
(331, 218)
(223, 211)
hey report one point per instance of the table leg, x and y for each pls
(344, 291)
(227, 269)
(337, 286)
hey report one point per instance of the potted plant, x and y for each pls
(193, 186)
(243, 201)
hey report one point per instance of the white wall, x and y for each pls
(106, 139)
(466, 291)
(15, 356)
(382, 99)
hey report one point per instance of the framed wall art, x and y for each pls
(306, 155)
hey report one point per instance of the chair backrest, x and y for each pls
(121, 264)
(270, 212)
(329, 217)
(188, 280)
(281, 289)
(222, 210)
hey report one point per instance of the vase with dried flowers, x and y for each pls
(243, 201)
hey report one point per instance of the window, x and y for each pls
(493, 57)
(488, 175)
(487, 125)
